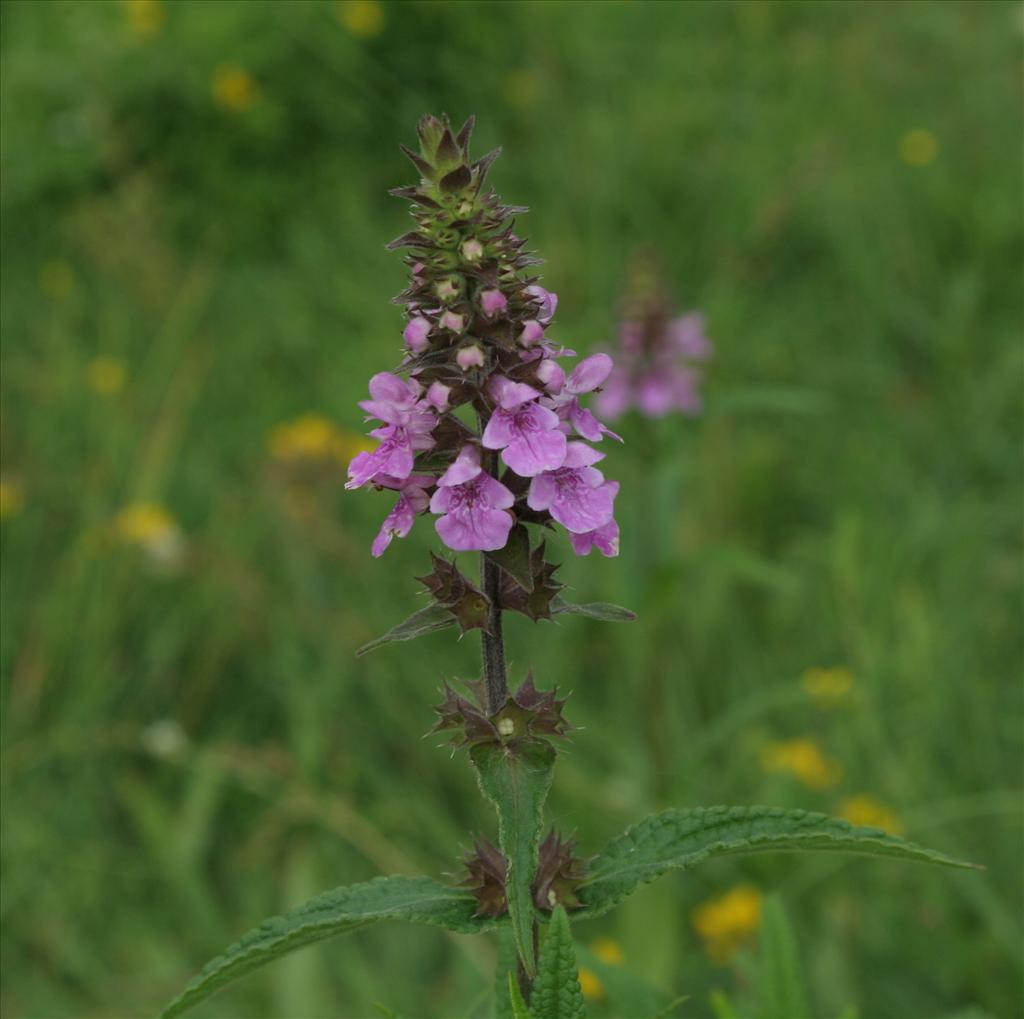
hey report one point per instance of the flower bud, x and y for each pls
(446, 289)
(533, 332)
(551, 375)
(453, 321)
(472, 250)
(415, 334)
(437, 395)
(493, 302)
(470, 357)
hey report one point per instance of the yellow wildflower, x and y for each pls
(56, 279)
(144, 18)
(590, 984)
(106, 375)
(866, 810)
(314, 437)
(234, 88)
(151, 528)
(828, 687)
(804, 759)
(364, 18)
(608, 951)
(919, 147)
(726, 922)
(12, 498)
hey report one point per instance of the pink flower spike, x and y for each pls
(415, 334)
(493, 302)
(453, 321)
(548, 303)
(437, 396)
(533, 332)
(469, 357)
(398, 523)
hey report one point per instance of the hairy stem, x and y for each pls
(492, 643)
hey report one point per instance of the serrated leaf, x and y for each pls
(781, 984)
(556, 991)
(593, 610)
(419, 899)
(518, 1009)
(516, 780)
(514, 558)
(678, 839)
(434, 617)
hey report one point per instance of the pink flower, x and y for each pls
(493, 302)
(474, 506)
(548, 303)
(586, 377)
(408, 423)
(604, 538)
(525, 432)
(575, 494)
(452, 320)
(415, 334)
(412, 500)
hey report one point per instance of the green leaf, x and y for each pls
(678, 839)
(516, 779)
(556, 991)
(508, 961)
(514, 558)
(781, 981)
(420, 899)
(433, 617)
(515, 997)
(592, 610)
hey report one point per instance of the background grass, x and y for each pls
(851, 496)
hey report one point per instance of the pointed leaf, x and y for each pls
(420, 899)
(593, 610)
(507, 964)
(781, 984)
(556, 991)
(514, 558)
(433, 617)
(679, 839)
(518, 1009)
(516, 780)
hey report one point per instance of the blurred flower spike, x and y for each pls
(658, 353)
(234, 89)
(106, 375)
(865, 810)
(803, 759)
(150, 528)
(477, 338)
(314, 438)
(144, 18)
(363, 18)
(828, 687)
(726, 923)
(12, 498)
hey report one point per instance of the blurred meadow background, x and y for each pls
(826, 561)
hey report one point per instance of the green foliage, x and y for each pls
(594, 610)
(421, 900)
(428, 620)
(781, 983)
(505, 970)
(516, 780)
(516, 1007)
(556, 991)
(679, 839)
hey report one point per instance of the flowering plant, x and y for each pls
(482, 427)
